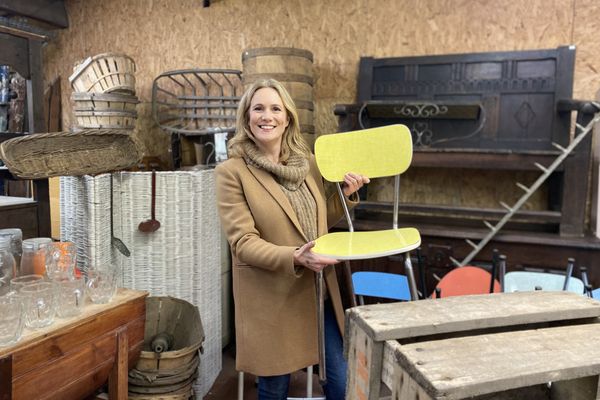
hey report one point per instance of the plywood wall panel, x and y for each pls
(585, 33)
(425, 27)
(163, 35)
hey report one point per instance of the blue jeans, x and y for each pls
(276, 387)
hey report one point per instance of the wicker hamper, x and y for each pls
(181, 259)
(93, 151)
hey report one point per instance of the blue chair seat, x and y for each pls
(381, 284)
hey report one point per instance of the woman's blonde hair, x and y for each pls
(292, 142)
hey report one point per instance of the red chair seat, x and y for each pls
(466, 280)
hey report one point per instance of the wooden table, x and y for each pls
(500, 346)
(73, 357)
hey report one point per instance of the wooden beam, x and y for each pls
(52, 12)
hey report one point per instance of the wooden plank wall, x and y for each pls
(164, 35)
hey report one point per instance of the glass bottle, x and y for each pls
(33, 259)
(7, 265)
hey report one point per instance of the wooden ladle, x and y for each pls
(152, 224)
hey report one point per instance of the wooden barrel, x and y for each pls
(294, 69)
(168, 374)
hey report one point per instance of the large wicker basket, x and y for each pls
(104, 73)
(197, 101)
(92, 151)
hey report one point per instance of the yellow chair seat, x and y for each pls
(363, 245)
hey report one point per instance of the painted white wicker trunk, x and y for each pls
(181, 259)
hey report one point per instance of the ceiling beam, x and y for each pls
(52, 12)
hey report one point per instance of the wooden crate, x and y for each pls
(485, 347)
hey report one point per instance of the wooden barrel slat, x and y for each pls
(299, 91)
(294, 69)
(281, 77)
(280, 51)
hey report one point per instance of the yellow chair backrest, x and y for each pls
(375, 152)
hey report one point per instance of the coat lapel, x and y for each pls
(271, 186)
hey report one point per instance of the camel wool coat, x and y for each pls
(275, 301)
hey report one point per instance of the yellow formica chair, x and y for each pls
(375, 153)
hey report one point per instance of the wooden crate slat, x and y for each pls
(469, 366)
(461, 313)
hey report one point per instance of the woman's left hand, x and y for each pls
(353, 182)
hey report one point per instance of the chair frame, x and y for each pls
(407, 261)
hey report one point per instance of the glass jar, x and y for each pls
(12, 319)
(8, 268)
(16, 244)
(33, 259)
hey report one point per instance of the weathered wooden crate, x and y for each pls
(500, 346)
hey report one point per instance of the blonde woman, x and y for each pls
(272, 207)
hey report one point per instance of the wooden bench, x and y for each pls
(484, 347)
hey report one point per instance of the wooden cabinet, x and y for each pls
(73, 357)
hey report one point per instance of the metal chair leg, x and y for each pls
(502, 271)
(495, 254)
(412, 284)
(421, 268)
(309, 374)
(240, 393)
(569, 272)
(321, 327)
(349, 283)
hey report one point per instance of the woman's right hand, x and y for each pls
(306, 258)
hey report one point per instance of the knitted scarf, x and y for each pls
(291, 178)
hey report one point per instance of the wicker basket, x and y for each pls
(105, 119)
(103, 102)
(91, 151)
(104, 73)
(197, 101)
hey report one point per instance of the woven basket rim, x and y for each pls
(72, 162)
(82, 66)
